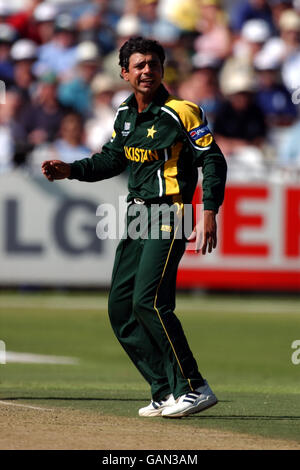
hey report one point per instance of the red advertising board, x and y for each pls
(258, 242)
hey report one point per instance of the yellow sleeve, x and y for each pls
(193, 120)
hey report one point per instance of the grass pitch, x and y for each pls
(243, 346)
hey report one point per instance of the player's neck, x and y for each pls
(143, 100)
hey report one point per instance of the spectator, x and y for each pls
(153, 25)
(184, 15)
(272, 96)
(96, 21)
(23, 21)
(285, 49)
(129, 25)
(202, 86)
(11, 134)
(239, 122)
(5, 12)
(44, 16)
(289, 150)
(58, 55)
(24, 54)
(277, 8)
(76, 93)
(253, 35)
(249, 10)
(99, 127)
(68, 146)
(215, 38)
(7, 36)
(41, 119)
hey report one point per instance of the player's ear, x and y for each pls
(124, 74)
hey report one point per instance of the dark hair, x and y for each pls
(141, 45)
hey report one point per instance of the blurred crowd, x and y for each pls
(239, 60)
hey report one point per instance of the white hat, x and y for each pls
(202, 60)
(4, 9)
(265, 61)
(24, 49)
(256, 30)
(101, 83)
(238, 83)
(128, 25)
(87, 51)
(7, 33)
(45, 12)
(289, 21)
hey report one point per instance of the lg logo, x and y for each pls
(296, 354)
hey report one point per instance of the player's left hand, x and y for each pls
(205, 233)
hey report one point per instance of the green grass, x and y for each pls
(242, 346)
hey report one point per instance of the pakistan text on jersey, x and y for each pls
(141, 155)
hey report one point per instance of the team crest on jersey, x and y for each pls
(201, 135)
(126, 130)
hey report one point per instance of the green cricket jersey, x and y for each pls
(163, 146)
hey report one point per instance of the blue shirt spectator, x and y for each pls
(248, 10)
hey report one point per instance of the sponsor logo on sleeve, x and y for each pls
(201, 136)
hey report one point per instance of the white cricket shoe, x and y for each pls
(192, 402)
(156, 407)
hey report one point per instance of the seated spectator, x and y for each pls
(253, 35)
(76, 92)
(11, 133)
(44, 16)
(277, 8)
(288, 156)
(272, 96)
(202, 86)
(23, 54)
(129, 25)
(99, 127)
(7, 36)
(41, 118)
(184, 15)
(285, 49)
(289, 150)
(153, 25)
(215, 37)
(68, 146)
(58, 55)
(249, 10)
(23, 21)
(239, 122)
(96, 21)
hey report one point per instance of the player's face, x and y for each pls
(144, 73)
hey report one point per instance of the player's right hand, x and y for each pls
(56, 170)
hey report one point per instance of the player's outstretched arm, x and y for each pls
(56, 170)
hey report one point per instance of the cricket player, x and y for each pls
(162, 140)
